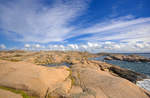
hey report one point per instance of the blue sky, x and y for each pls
(92, 25)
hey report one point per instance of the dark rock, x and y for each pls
(129, 58)
(127, 74)
(108, 58)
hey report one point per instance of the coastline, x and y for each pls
(83, 77)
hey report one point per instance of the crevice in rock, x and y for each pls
(46, 94)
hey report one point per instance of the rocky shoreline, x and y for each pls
(23, 71)
(129, 58)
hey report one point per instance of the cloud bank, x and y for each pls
(94, 47)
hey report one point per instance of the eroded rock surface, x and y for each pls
(84, 79)
(34, 79)
(101, 84)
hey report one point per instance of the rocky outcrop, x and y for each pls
(129, 58)
(108, 58)
(83, 79)
(127, 74)
(118, 71)
(61, 57)
(96, 83)
(33, 79)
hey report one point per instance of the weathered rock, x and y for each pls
(130, 58)
(108, 58)
(33, 79)
(76, 90)
(127, 74)
(84, 79)
(118, 71)
(101, 84)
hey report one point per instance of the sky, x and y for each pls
(84, 25)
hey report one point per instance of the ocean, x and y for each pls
(140, 67)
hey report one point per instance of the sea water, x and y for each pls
(140, 67)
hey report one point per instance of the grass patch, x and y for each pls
(71, 77)
(15, 60)
(11, 59)
(72, 80)
(17, 55)
(24, 95)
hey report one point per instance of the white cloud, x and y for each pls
(34, 47)
(117, 46)
(36, 22)
(72, 47)
(27, 45)
(108, 42)
(107, 46)
(123, 30)
(92, 44)
(138, 45)
(37, 46)
(2, 46)
(84, 46)
(56, 47)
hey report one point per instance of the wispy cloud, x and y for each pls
(121, 29)
(38, 22)
(34, 21)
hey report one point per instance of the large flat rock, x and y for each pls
(101, 84)
(33, 79)
(84, 78)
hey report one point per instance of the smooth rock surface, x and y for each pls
(101, 84)
(84, 79)
(34, 79)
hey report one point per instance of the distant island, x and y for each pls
(131, 57)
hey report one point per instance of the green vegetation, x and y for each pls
(24, 95)
(17, 55)
(71, 77)
(15, 60)
(72, 80)
(10, 59)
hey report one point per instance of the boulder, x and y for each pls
(127, 74)
(108, 58)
